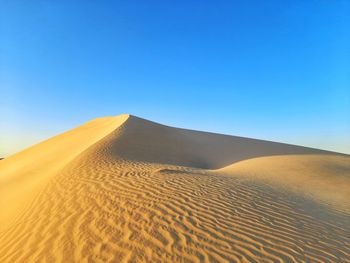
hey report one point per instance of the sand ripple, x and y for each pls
(131, 212)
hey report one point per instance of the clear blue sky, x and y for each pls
(276, 70)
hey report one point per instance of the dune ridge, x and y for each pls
(131, 190)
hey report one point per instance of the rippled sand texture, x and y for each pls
(123, 189)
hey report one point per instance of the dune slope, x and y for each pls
(130, 190)
(22, 175)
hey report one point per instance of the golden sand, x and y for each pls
(123, 189)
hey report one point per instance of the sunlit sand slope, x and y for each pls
(22, 175)
(143, 192)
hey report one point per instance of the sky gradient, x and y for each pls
(274, 70)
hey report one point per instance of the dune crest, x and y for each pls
(124, 189)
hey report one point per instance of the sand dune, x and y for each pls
(324, 178)
(124, 189)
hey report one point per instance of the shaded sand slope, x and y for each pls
(141, 192)
(142, 140)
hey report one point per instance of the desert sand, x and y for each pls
(124, 189)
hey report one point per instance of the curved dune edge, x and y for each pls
(22, 175)
(141, 192)
(323, 178)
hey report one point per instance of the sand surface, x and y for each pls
(124, 189)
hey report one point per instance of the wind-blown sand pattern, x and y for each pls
(123, 189)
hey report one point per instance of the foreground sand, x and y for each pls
(123, 189)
